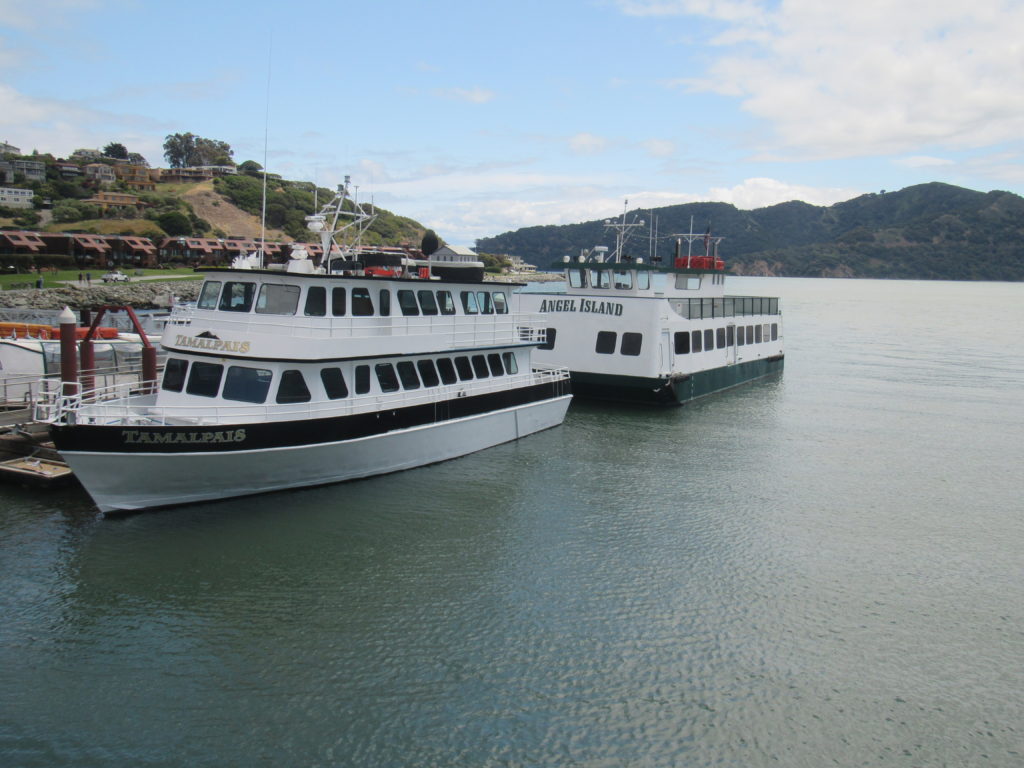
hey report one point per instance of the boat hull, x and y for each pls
(142, 479)
(671, 391)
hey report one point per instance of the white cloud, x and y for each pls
(762, 192)
(471, 95)
(658, 147)
(851, 79)
(60, 127)
(922, 161)
(17, 13)
(587, 144)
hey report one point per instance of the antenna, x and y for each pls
(266, 134)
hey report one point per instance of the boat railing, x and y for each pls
(26, 388)
(128, 404)
(460, 330)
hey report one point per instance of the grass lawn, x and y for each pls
(11, 280)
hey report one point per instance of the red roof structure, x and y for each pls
(27, 240)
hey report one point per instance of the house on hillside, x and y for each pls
(116, 200)
(8, 149)
(34, 170)
(135, 176)
(68, 169)
(101, 173)
(11, 197)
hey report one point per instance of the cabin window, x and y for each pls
(695, 337)
(208, 297)
(362, 304)
(605, 342)
(775, 331)
(407, 302)
(362, 379)
(549, 339)
(631, 344)
(741, 337)
(730, 335)
(292, 388)
(599, 278)
(277, 299)
(720, 338)
(688, 283)
(480, 366)
(750, 334)
(428, 374)
(709, 339)
(385, 302)
(577, 278)
(500, 303)
(682, 343)
(334, 383)
(511, 366)
(407, 374)
(316, 301)
(446, 302)
(623, 280)
(464, 368)
(386, 377)
(469, 302)
(483, 299)
(494, 363)
(249, 385)
(428, 304)
(757, 334)
(643, 280)
(237, 297)
(447, 370)
(174, 374)
(773, 306)
(339, 302)
(204, 379)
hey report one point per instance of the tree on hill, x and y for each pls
(116, 150)
(250, 167)
(183, 150)
(430, 242)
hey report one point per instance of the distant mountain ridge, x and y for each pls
(929, 231)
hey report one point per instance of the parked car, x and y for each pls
(117, 276)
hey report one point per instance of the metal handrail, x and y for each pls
(126, 403)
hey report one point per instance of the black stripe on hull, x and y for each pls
(284, 434)
(662, 391)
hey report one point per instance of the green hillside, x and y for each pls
(220, 208)
(929, 231)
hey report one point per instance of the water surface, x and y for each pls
(824, 568)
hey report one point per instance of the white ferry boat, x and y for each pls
(280, 379)
(655, 333)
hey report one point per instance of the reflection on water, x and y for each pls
(823, 567)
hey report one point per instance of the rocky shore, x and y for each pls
(139, 294)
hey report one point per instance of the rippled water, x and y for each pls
(826, 568)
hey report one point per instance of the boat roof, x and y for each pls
(277, 273)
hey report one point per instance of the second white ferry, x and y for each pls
(652, 332)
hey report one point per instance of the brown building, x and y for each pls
(135, 177)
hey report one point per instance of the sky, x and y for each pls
(477, 118)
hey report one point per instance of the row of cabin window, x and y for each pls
(710, 338)
(252, 385)
(275, 299)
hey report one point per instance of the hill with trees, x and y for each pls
(928, 231)
(67, 202)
